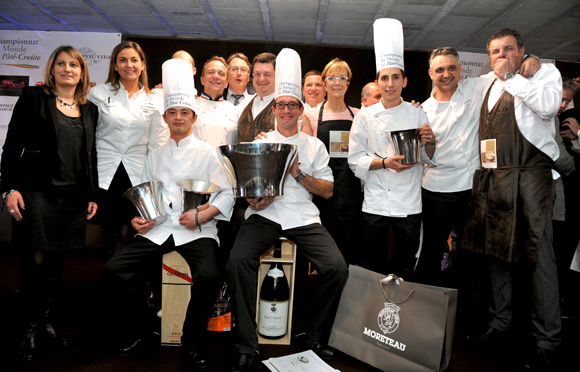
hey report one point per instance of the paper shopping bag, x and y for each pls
(395, 325)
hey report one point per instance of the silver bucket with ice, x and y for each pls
(406, 142)
(257, 169)
(146, 202)
(195, 193)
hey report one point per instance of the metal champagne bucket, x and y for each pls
(195, 193)
(257, 169)
(406, 142)
(146, 201)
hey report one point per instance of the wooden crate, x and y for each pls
(288, 260)
(175, 294)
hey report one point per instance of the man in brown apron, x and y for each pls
(257, 117)
(510, 217)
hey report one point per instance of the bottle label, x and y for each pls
(276, 273)
(273, 320)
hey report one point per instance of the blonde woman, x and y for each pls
(330, 122)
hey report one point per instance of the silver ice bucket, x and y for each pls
(257, 169)
(406, 142)
(195, 193)
(145, 201)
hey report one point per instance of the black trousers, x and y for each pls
(542, 277)
(442, 212)
(122, 272)
(407, 235)
(256, 236)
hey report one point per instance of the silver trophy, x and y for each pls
(146, 201)
(195, 193)
(406, 142)
(257, 169)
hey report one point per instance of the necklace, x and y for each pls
(63, 103)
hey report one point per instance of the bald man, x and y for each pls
(370, 94)
(180, 54)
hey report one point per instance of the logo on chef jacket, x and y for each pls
(148, 107)
(12, 86)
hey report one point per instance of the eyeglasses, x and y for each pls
(291, 105)
(335, 78)
(241, 70)
(266, 75)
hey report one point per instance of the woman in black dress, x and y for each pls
(49, 183)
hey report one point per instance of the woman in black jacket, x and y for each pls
(49, 183)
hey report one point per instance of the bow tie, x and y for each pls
(237, 98)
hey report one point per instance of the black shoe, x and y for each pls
(243, 362)
(55, 337)
(131, 348)
(28, 348)
(200, 361)
(323, 351)
(541, 360)
(490, 336)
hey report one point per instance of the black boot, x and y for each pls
(28, 348)
(54, 337)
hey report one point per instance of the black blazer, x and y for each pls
(29, 154)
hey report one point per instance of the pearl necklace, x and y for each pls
(63, 103)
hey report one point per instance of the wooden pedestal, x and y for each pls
(288, 260)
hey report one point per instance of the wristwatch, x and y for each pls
(531, 56)
(509, 75)
(300, 176)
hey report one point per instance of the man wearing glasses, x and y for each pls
(295, 217)
(257, 117)
(239, 70)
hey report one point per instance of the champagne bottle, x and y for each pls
(274, 300)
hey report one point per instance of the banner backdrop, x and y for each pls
(24, 54)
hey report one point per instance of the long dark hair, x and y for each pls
(114, 77)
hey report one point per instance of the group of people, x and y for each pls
(489, 147)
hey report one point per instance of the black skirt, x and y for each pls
(53, 220)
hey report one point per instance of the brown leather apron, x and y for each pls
(509, 204)
(249, 127)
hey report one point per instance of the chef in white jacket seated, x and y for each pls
(193, 234)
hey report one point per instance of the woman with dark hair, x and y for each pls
(130, 125)
(49, 185)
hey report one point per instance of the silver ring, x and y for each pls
(12, 211)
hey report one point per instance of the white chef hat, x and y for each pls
(288, 74)
(178, 86)
(389, 43)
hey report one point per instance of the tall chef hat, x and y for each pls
(288, 74)
(178, 86)
(389, 43)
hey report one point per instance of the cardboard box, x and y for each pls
(175, 294)
(288, 260)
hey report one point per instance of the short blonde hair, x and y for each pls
(334, 65)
